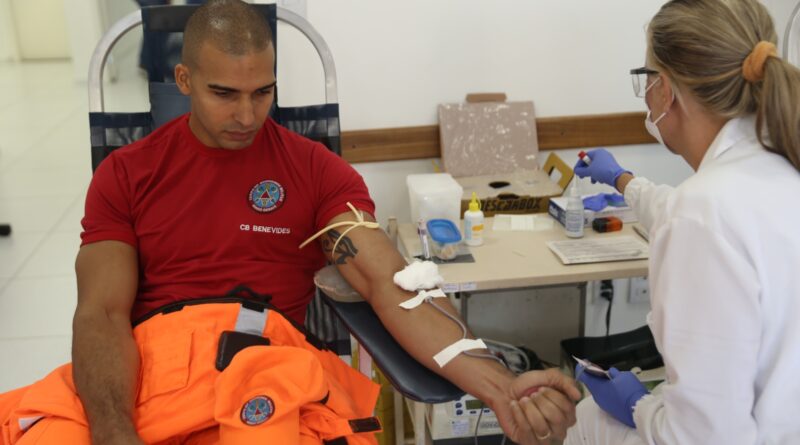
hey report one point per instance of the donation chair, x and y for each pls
(624, 351)
(111, 130)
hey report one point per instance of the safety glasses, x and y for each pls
(639, 77)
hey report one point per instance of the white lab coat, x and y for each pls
(725, 295)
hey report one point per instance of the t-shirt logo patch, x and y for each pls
(257, 410)
(267, 196)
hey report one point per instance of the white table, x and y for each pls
(513, 260)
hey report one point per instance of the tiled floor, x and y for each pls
(45, 169)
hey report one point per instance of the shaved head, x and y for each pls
(232, 26)
(228, 71)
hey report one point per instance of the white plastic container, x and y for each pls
(434, 195)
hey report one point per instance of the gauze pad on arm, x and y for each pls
(419, 275)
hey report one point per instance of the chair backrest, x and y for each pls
(163, 30)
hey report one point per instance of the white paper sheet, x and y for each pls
(598, 250)
(522, 223)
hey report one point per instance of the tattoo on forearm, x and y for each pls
(344, 250)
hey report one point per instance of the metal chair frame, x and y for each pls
(134, 19)
(791, 37)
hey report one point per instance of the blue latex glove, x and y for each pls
(595, 203)
(600, 201)
(603, 169)
(616, 395)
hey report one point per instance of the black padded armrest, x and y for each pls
(406, 374)
(636, 348)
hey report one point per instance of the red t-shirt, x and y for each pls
(205, 220)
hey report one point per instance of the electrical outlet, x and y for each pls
(639, 290)
(595, 289)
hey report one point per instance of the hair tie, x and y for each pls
(753, 65)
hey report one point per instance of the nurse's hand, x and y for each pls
(603, 167)
(616, 394)
(543, 406)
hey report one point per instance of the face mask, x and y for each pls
(652, 127)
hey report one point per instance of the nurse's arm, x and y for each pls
(367, 259)
(622, 181)
(647, 199)
(104, 354)
(707, 322)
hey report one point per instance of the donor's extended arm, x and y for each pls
(367, 259)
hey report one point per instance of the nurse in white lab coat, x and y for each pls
(725, 244)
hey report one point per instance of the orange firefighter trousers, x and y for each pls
(287, 392)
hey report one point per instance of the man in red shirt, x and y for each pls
(224, 196)
(205, 219)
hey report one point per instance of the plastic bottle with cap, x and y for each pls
(573, 218)
(585, 157)
(473, 223)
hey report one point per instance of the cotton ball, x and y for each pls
(419, 275)
(448, 252)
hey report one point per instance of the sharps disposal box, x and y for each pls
(433, 196)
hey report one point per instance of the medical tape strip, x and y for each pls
(250, 321)
(450, 352)
(423, 295)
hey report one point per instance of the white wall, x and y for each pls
(781, 11)
(114, 10)
(404, 58)
(396, 61)
(41, 29)
(84, 25)
(87, 20)
(8, 39)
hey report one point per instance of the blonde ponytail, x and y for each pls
(779, 110)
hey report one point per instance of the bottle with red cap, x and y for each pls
(584, 157)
